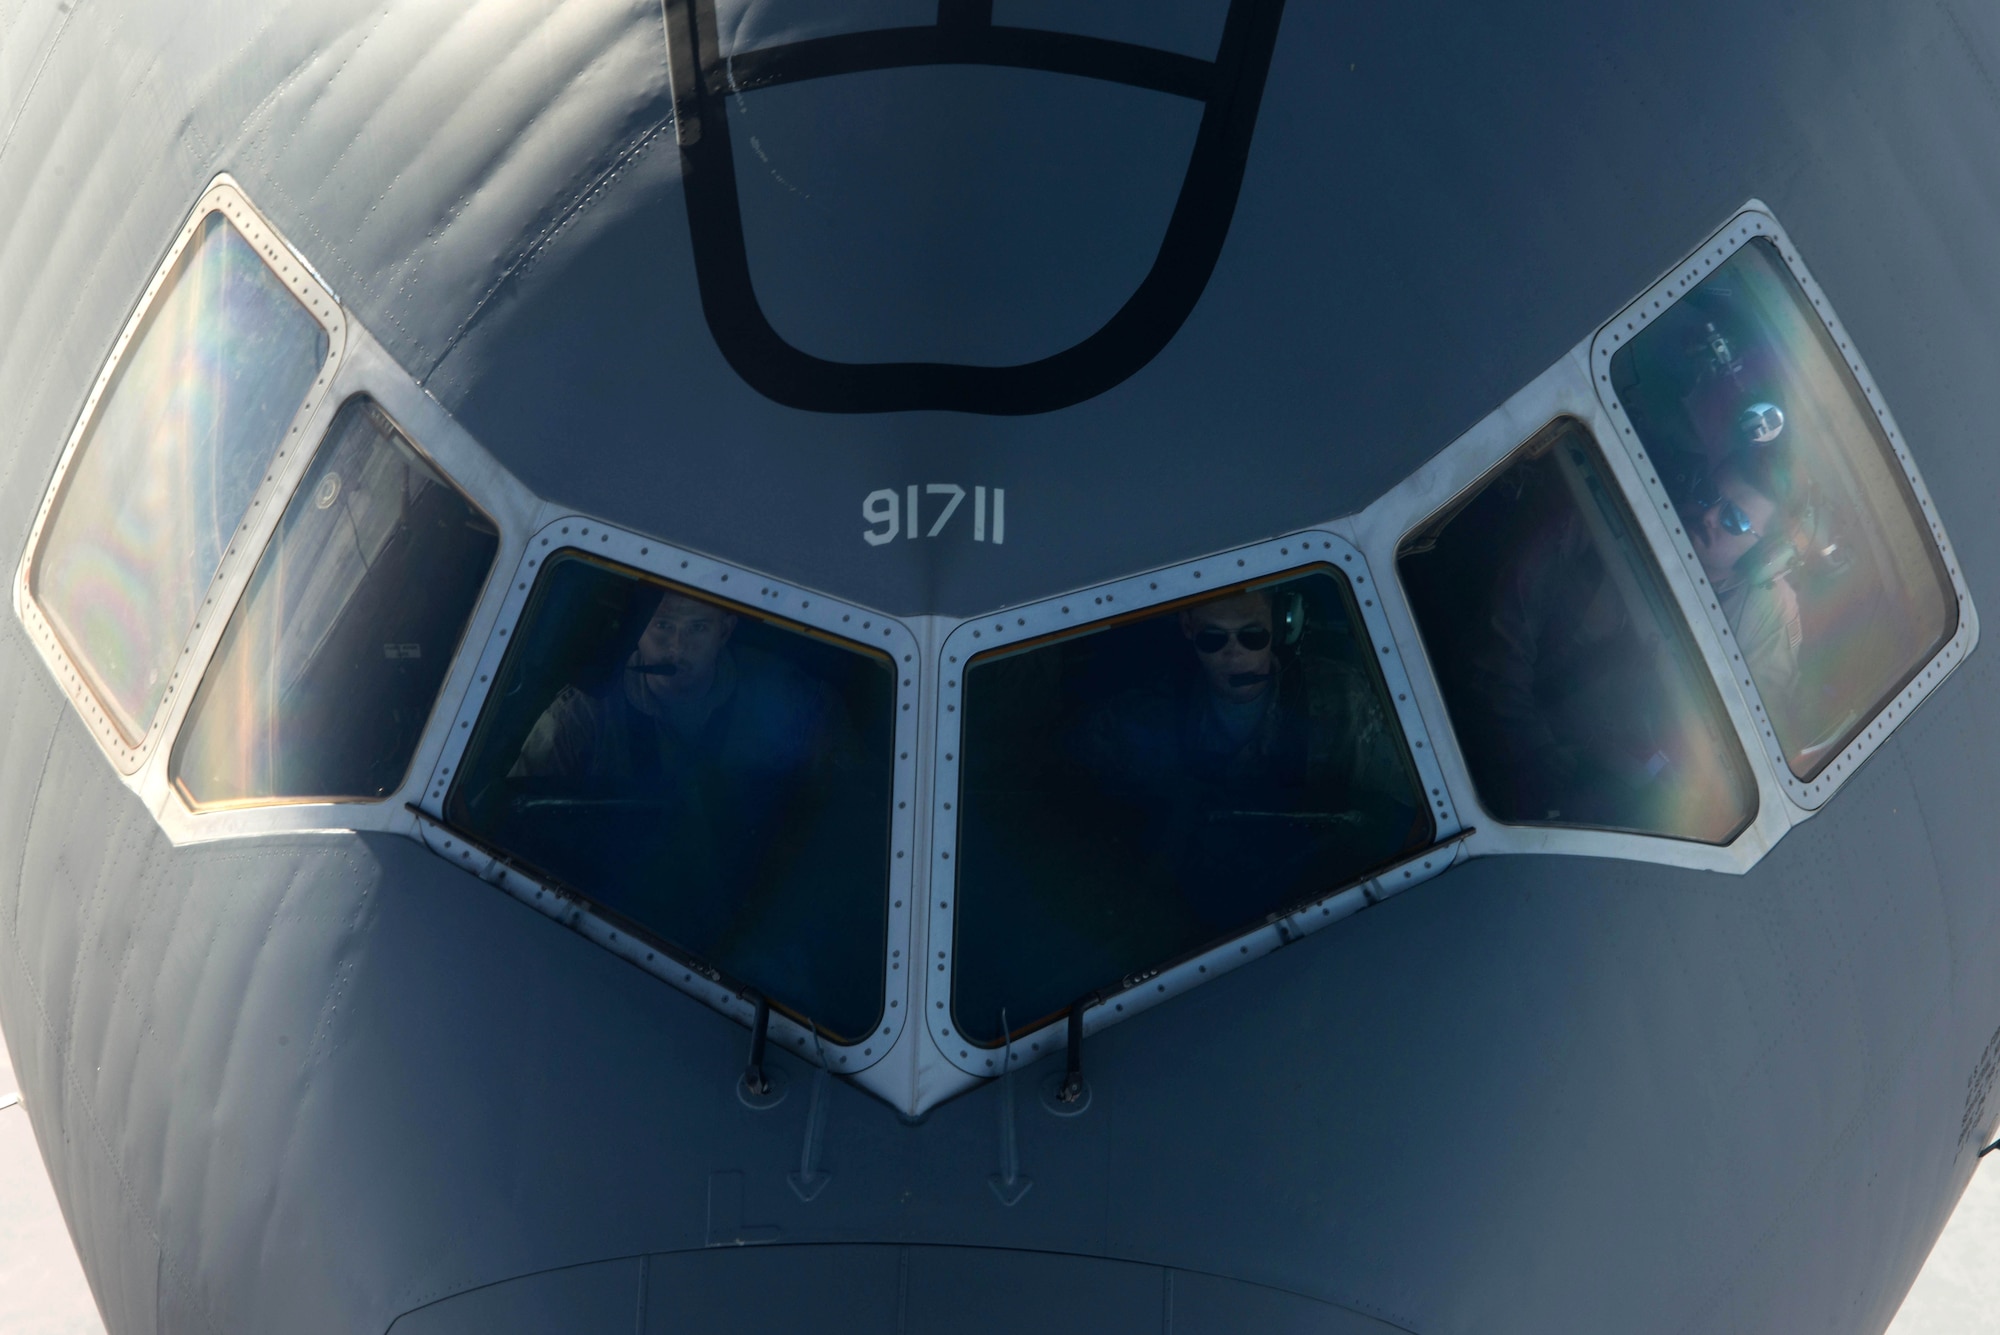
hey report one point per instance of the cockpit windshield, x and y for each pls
(719, 780)
(1134, 793)
(329, 667)
(1574, 690)
(184, 436)
(1806, 528)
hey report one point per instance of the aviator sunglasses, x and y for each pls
(1731, 519)
(1215, 639)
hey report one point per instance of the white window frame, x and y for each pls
(1094, 608)
(1466, 465)
(356, 365)
(367, 372)
(292, 455)
(1750, 223)
(844, 622)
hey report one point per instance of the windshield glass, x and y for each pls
(182, 439)
(327, 672)
(1573, 687)
(1801, 517)
(1134, 793)
(717, 779)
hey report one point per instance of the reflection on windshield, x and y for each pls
(720, 780)
(1134, 793)
(1803, 521)
(1573, 688)
(328, 670)
(182, 440)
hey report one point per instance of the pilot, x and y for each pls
(684, 697)
(1575, 722)
(1261, 772)
(1567, 720)
(1743, 539)
(719, 740)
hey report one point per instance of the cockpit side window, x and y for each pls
(716, 779)
(1132, 794)
(181, 440)
(1807, 531)
(328, 669)
(1575, 691)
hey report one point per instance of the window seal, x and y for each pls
(1096, 607)
(1750, 223)
(296, 450)
(838, 621)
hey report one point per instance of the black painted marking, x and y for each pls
(1231, 87)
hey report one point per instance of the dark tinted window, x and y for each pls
(719, 780)
(1802, 518)
(1574, 689)
(329, 667)
(1134, 793)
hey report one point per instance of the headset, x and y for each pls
(1288, 613)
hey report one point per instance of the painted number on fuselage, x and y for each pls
(891, 514)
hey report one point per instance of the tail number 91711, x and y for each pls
(891, 514)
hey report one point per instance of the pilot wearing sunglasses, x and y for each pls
(1232, 641)
(1748, 571)
(1265, 762)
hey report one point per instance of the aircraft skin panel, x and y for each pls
(330, 1083)
(920, 1290)
(1448, 995)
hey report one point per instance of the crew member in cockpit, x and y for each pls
(721, 740)
(1573, 723)
(1567, 721)
(1260, 770)
(1742, 537)
(684, 701)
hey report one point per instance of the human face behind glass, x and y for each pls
(686, 637)
(1234, 672)
(1718, 546)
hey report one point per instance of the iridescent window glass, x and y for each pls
(181, 441)
(1806, 528)
(1575, 691)
(717, 779)
(329, 667)
(1136, 793)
